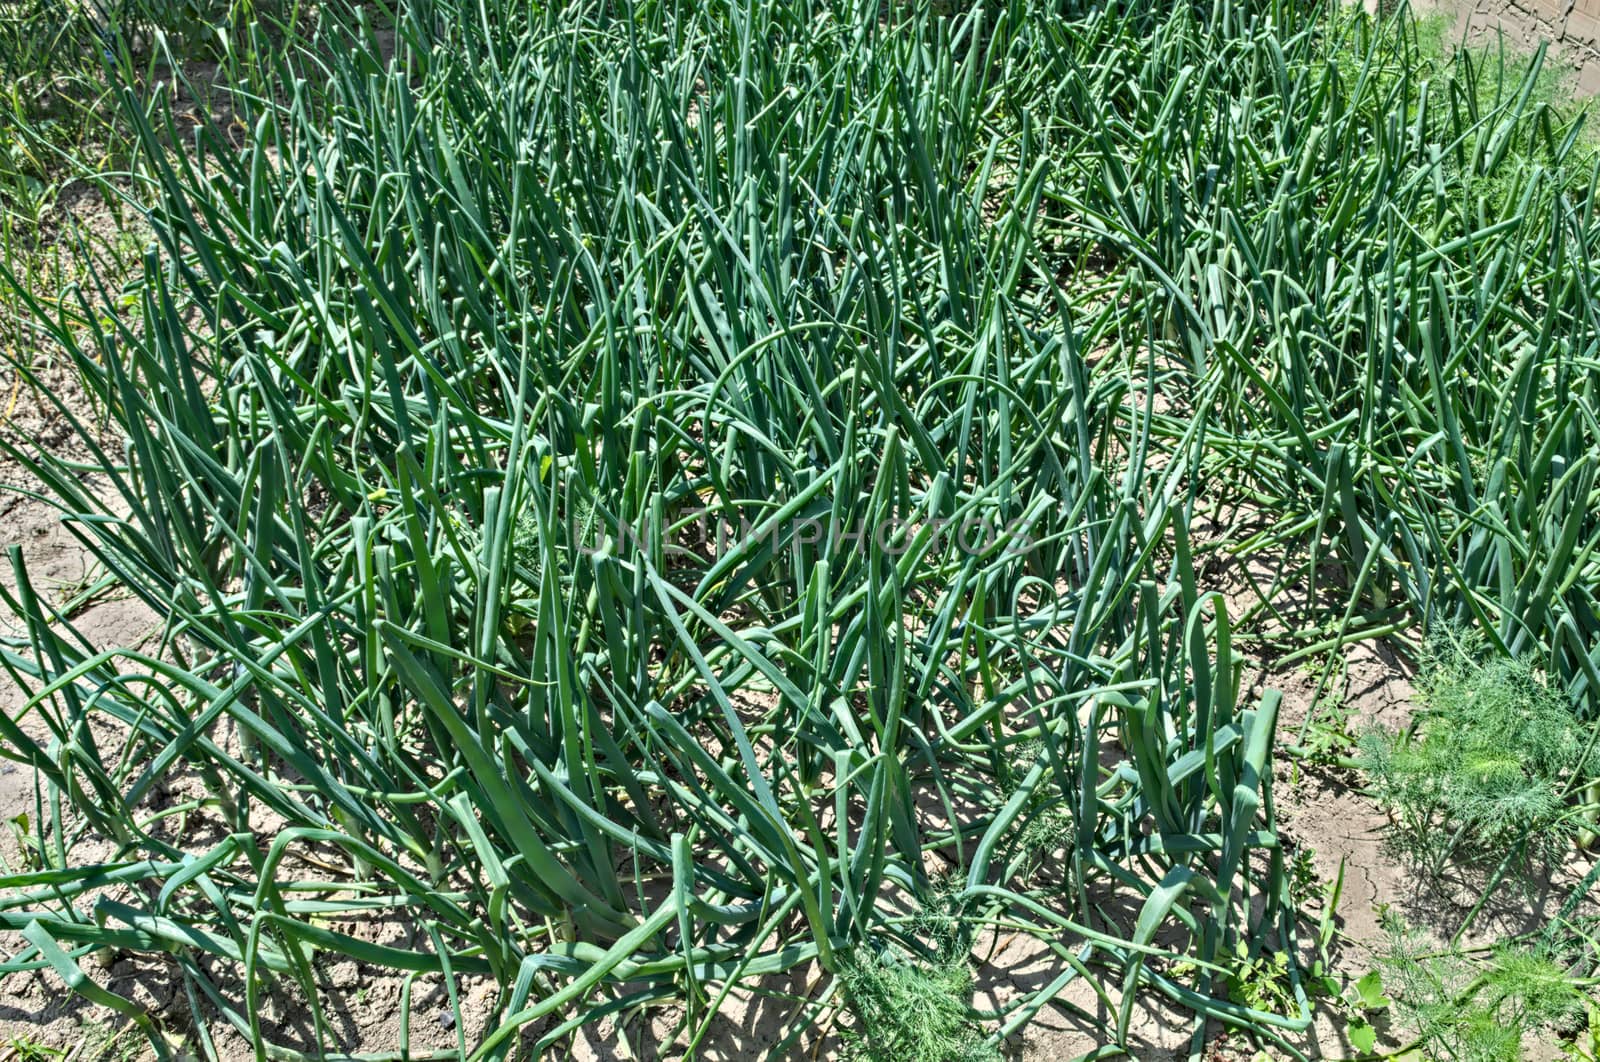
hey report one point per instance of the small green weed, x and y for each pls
(1328, 738)
(1261, 982)
(24, 1049)
(1304, 885)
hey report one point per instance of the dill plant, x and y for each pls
(1485, 766)
(913, 1011)
(1484, 1006)
(912, 1001)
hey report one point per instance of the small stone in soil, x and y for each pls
(447, 1019)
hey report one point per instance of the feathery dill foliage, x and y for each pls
(430, 373)
(916, 1011)
(1481, 1008)
(1487, 762)
(917, 1004)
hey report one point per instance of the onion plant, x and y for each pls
(1375, 267)
(429, 391)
